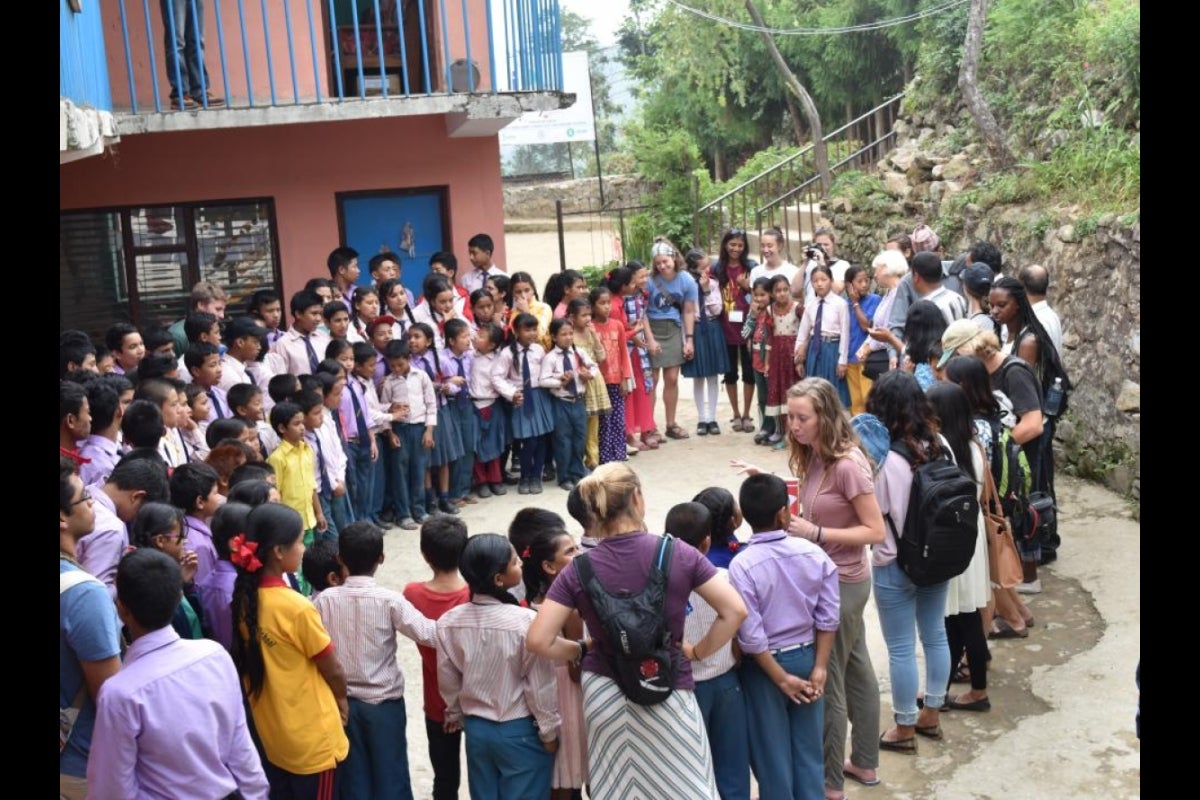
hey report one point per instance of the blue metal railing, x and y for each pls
(417, 47)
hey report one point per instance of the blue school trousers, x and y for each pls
(506, 760)
(786, 737)
(409, 462)
(723, 706)
(570, 437)
(377, 765)
(381, 489)
(337, 510)
(362, 484)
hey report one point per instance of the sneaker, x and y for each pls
(483, 491)
(548, 474)
(409, 524)
(447, 507)
(420, 518)
(714, 429)
(1034, 587)
(498, 489)
(523, 488)
(535, 487)
(567, 486)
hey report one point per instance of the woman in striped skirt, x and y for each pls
(660, 750)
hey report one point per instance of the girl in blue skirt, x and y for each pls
(456, 362)
(516, 375)
(447, 441)
(491, 412)
(711, 359)
(823, 343)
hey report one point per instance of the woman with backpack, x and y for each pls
(905, 608)
(661, 748)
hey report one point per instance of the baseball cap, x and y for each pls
(978, 278)
(960, 332)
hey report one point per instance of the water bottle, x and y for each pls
(1054, 398)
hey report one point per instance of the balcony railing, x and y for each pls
(267, 53)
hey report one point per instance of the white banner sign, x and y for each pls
(574, 124)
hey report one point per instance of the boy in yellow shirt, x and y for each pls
(296, 472)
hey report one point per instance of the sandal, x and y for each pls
(906, 746)
(676, 432)
(1002, 630)
(649, 441)
(735, 424)
(930, 731)
(747, 425)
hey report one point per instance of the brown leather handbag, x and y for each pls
(1004, 563)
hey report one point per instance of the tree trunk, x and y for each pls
(810, 109)
(718, 163)
(797, 123)
(981, 112)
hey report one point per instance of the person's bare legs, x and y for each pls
(671, 394)
(731, 392)
(747, 403)
(655, 379)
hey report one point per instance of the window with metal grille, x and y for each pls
(139, 264)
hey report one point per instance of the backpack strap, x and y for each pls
(69, 580)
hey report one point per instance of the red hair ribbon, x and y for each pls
(241, 553)
(526, 552)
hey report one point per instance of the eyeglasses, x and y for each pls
(84, 498)
(737, 231)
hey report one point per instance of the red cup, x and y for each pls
(793, 490)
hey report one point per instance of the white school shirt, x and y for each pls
(835, 319)
(378, 418)
(552, 371)
(291, 349)
(506, 372)
(331, 449)
(233, 372)
(477, 278)
(482, 386)
(414, 390)
(424, 313)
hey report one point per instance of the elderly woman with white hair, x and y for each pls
(674, 298)
(889, 268)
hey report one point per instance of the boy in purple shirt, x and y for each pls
(137, 740)
(790, 587)
(100, 447)
(194, 490)
(203, 362)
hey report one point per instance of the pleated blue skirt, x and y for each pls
(534, 417)
(447, 439)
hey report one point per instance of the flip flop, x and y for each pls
(929, 732)
(906, 746)
(1002, 630)
(848, 774)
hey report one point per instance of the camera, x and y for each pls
(813, 252)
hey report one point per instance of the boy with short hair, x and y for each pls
(295, 468)
(142, 426)
(158, 339)
(206, 297)
(343, 271)
(479, 251)
(203, 362)
(409, 396)
(322, 440)
(199, 326)
(246, 403)
(338, 510)
(320, 566)
(99, 449)
(718, 692)
(136, 748)
(243, 338)
(442, 541)
(194, 492)
(337, 319)
(75, 352)
(301, 349)
(164, 394)
(74, 419)
(370, 616)
(790, 587)
(368, 419)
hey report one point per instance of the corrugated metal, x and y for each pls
(82, 61)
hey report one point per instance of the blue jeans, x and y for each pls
(570, 437)
(785, 739)
(377, 766)
(904, 609)
(362, 485)
(409, 463)
(338, 513)
(506, 760)
(183, 47)
(723, 706)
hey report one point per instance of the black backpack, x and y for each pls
(942, 523)
(635, 629)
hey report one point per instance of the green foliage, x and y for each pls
(668, 157)
(640, 230)
(594, 273)
(1100, 169)
(865, 191)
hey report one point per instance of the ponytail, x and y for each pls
(485, 556)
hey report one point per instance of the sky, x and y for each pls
(606, 16)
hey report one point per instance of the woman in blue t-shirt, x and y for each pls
(672, 314)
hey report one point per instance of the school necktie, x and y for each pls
(216, 404)
(526, 384)
(571, 389)
(364, 435)
(313, 361)
(463, 398)
(323, 479)
(817, 320)
(337, 423)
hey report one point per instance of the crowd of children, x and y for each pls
(267, 464)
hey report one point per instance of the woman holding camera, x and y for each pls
(672, 314)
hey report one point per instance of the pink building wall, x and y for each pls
(301, 167)
(229, 36)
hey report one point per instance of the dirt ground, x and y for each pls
(1063, 700)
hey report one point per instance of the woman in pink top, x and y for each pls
(840, 513)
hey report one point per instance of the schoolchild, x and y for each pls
(384, 266)
(99, 450)
(711, 359)
(194, 492)
(409, 395)
(562, 288)
(216, 589)
(343, 272)
(379, 333)
(616, 373)
(200, 327)
(365, 309)
(366, 618)
(162, 393)
(790, 587)
(161, 526)
(479, 251)
(514, 375)
(756, 330)
(439, 304)
(339, 512)
(321, 567)
(283, 653)
(397, 303)
(492, 417)
(298, 349)
(726, 519)
(499, 287)
(718, 689)
(445, 264)
(329, 464)
(106, 364)
(126, 345)
(823, 340)
(504, 698)
(203, 362)
(142, 426)
(158, 340)
(522, 298)
(366, 417)
(781, 373)
(565, 372)
(75, 352)
(442, 541)
(295, 468)
(266, 306)
(157, 366)
(246, 403)
(587, 341)
(447, 440)
(457, 362)
(243, 338)
(483, 307)
(337, 321)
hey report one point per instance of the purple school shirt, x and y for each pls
(104, 455)
(199, 539)
(623, 563)
(790, 587)
(99, 551)
(143, 746)
(216, 601)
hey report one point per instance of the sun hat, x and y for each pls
(960, 332)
